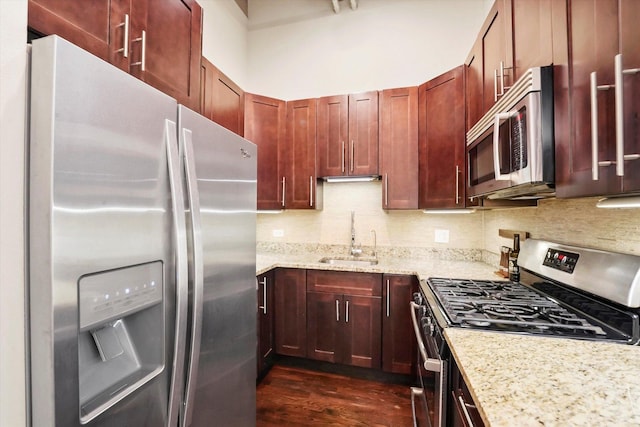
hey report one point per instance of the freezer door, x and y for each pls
(220, 178)
(102, 271)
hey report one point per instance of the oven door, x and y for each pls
(508, 153)
(429, 397)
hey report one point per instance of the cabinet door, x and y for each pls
(442, 141)
(474, 86)
(265, 127)
(363, 134)
(399, 148)
(325, 317)
(532, 41)
(361, 338)
(167, 47)
(497, 48)
(630, 50)
(332, 133)
(221, 100)
(97, 26)
(290, 312)
(398, 340)
(298, 156)
(591, 44)
(265, 321)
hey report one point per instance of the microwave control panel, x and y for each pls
(561, 260)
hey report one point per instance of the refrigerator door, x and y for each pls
(221, 181)
(103, 242)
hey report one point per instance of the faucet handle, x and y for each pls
(375, 244)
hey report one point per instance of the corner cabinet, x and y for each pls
(399, 147)
(347, 135)
(221, 100)
(158, 41)
(265, 126)
(290, 305)
(398, 340)
(297, 159)
(441, 134)
(344, 317)
(265, 322)
(601, 156)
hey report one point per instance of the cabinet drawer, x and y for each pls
(344, 282)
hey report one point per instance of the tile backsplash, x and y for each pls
(572, 221)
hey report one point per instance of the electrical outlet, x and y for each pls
(442, 236)
(278, 233)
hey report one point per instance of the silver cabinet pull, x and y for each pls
(352, 155)
(386, 189)
(125, 38)
(619, 103)
(457, 185)
(311, 191)
(503, 88)
(343, 157)
(346, 315)
(283, 189)
(264, 296)
(143, 40)
(595, 162)
(337, 310)
(388, 299)
(495, 85)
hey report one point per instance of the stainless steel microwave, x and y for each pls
(510, 151)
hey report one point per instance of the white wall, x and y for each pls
(300, 49)
(13, 38)
(224, 38)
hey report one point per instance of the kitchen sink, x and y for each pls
(349, 261)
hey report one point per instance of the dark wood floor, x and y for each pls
(294, 396)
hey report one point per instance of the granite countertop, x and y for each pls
(519, 379)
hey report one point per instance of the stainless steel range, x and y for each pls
(564, 291)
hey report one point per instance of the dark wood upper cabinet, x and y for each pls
(221, 100)
(590, 35)
(166, 47)
(532, 35)
(158, 41)
(398, 340)
(265, 126)
(297, 157)
(441, 132)
(399, 147)
(348, 135)
(474, 84)
(290, 295)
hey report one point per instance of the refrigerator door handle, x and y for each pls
(182, 285)
(198, 273)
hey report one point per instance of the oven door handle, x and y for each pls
(496, 145)
(431, 365)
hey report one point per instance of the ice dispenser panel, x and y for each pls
(121, 339)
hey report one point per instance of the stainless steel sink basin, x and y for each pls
(349, 261)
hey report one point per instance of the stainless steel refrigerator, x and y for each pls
(141, 253)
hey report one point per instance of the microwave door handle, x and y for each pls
(496, 146)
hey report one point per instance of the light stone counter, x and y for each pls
(518, 380)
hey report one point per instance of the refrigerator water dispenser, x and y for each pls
(121, 340)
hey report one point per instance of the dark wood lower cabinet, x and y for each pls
(462, 410)
(290, 306)
(398, 340)
(265, 316)
(344, 318)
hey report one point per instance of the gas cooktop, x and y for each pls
(542, 304)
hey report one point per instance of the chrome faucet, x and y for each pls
(355, 250)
